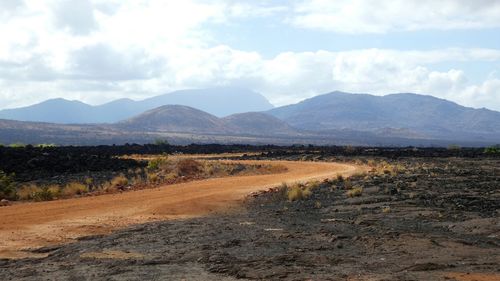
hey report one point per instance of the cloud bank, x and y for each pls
(96, 51)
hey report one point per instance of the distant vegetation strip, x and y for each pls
(160, 170)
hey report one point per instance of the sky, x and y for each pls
(96, 51)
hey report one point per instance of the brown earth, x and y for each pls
(32, 225)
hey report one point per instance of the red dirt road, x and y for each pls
(31, 225)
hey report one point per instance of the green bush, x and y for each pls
(44, 194)
(492, 150)
(7, 186)
(157, 163)
(161, 142)
(44, 145)
(17, 145)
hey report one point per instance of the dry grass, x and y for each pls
(161, 170)
(152, 178)
(89, 181)
(119, 181)
(386, 209)
(313, 184)
(26, 192)
(74, 188)
(298, 192)
(37, 193)
(347, 183)
(356, 191)
(189, 167)
(157, 163)
(385, 168)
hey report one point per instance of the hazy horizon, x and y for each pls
(97, 51)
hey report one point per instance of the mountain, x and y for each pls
(179, 124)
(185, 119)
(52, 111)
(175, 118)
(406, 115)
(258, 123)
(217, 101)
(335, 118)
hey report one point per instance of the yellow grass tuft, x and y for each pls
(355, 191)
(298, 192)
(119, 181)
(74, 188)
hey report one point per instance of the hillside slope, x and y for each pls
(175, 118)
(257, 123)
(409, 114)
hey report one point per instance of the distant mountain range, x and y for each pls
(176, 123)
(217, 101)
(334, 118)
(403, 115)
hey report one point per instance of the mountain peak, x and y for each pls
(174, 118)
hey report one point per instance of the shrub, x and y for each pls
(119, 181)
(44, 194)
(26, 192)
(157, 163)
(347, 183)
(340, 178)
(171, 176)
(89, 181)
(17, 145)
(34, 192)
(349, 149)
(161, 142)
(189, 167)
(152, 178)
(297, 192)
(74, 188)
(7, 186)
(313, 184)
(386, 209)
(492, 150)
(43, 145)
(55, 190)
(355, 191)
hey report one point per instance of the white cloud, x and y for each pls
(290, 77)
(254, 9)
(76, 16)
(142, 48)
(486, 94)
(375, 16)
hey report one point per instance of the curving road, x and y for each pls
(32, 225)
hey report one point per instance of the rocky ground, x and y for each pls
(429, 219)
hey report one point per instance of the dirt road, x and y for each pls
(31, 225)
